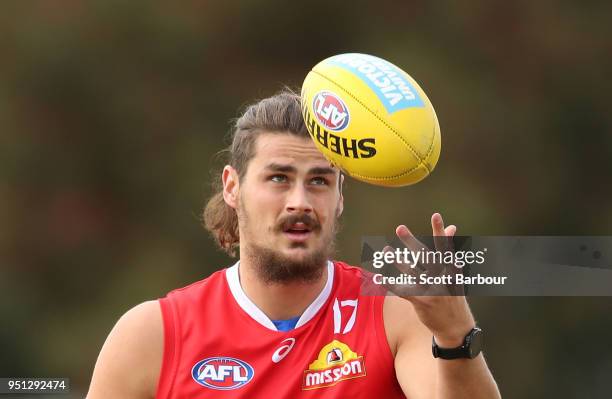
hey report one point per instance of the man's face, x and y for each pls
(288, 204)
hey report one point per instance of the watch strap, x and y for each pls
(464, 351)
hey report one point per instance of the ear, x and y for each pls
(340, 207)
(231, 186)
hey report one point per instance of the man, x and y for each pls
(285, 322)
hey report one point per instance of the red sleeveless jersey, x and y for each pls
(218, 344)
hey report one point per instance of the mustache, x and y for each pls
(311, 223)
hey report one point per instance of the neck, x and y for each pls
(279, 301)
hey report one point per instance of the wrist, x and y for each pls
(468, 349)
(453, 339)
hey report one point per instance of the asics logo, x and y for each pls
(284, 350)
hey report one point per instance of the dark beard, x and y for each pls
(273, 267)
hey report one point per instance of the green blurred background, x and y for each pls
(111, 113)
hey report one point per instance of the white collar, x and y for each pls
(233, 279)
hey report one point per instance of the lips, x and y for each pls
(297, 237)
(298, 223)
(297, 232)
(299, 228)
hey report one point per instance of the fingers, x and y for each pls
(439, 232)
(409, 239)
(437, 225)
(403, 290)
(402, 267)
(442, 240)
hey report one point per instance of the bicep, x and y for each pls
(415, 366)
(129, 362)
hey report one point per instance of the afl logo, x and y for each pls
(330, 111)
(222, 373)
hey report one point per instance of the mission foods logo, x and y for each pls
(336, 362)
(385, 79)
(222, 373)
(330, 111)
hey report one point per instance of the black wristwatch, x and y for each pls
(471, 347)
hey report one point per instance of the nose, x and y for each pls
(298, 201)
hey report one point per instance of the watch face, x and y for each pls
(475, 342)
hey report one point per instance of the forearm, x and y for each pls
(465, 378)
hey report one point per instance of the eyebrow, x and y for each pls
(322, 171)
(275, 167)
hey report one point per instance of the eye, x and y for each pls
(278, 178)
(319, 181)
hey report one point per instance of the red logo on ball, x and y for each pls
(330, 111)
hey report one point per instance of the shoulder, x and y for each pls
(129, 362)
(143, 321)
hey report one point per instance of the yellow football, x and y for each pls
(371, 119)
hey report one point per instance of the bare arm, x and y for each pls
(420, 375)
(412, 320)
(130, 360)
